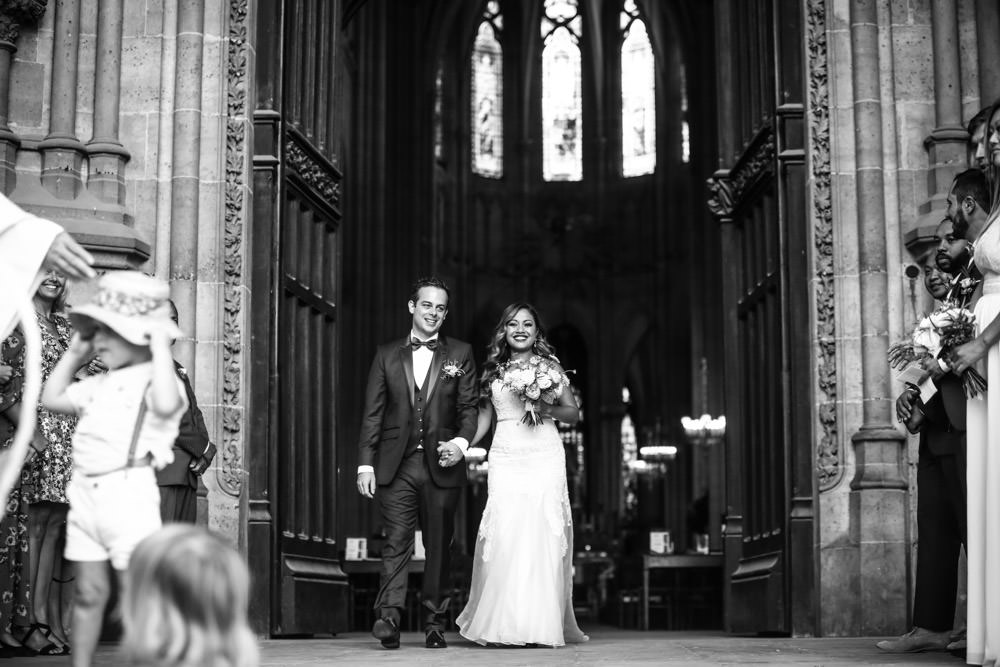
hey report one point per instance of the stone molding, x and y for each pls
(828, 456)
(230, 473)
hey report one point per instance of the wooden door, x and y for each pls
(760, 201)
(292, 533)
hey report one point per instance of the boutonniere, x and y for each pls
(452, 369)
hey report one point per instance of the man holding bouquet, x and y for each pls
(941, 504)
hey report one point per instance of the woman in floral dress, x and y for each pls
(14, 526)
(46, 474)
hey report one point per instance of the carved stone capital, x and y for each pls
(17, 13)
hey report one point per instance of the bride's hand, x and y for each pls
(449, 454)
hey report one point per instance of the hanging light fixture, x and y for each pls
(704, 430)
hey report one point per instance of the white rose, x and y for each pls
(544, 382)
(533, 393)
(942, 319)
(926, 337)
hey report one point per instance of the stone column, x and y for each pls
(878, 490)
(185, 192)
(107, 155)
(62, 152)
(946, 143)
(988, 37)
(12, 16)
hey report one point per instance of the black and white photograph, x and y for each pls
(499, 332)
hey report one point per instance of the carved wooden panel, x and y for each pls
(760, 199)
(296, 285)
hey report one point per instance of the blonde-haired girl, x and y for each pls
(185, 602)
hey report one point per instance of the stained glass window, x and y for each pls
(438, 114)
(562, 96)
(487, 95)
(638, 95)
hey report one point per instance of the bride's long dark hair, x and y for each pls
(992, 171)
(499, 351)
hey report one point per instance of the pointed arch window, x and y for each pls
(487, 95)
(439, 113)
(638, 95)
(562, 97)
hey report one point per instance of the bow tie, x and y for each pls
(416, 343)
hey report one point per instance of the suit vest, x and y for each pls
(418, 412)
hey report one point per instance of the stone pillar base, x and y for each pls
(104, 229)
(62, 164)
(878, 510)
(8, 159)
(106, 179)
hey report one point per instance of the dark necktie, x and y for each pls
(416, 343)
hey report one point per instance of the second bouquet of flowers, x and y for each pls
(534, 379)
(935, 336)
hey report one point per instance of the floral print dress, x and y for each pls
(14, 526)
(49, 472)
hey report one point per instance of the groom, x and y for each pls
(420, 414)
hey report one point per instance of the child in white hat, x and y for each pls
(128, 420)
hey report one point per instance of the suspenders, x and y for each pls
(130, 461)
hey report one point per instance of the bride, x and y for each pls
(522, 583)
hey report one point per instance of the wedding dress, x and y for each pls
(983, 471)
(522, 575)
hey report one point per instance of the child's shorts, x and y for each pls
(110, 514)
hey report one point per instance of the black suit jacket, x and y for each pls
(953, 399)
(943, 432)
(451, 411)
(192, 440)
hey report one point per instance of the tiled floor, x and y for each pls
(606, 647)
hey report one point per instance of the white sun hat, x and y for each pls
(131, 304)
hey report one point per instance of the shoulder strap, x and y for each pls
(138, 427)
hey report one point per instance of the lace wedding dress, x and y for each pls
(522, 575)
(983, 471)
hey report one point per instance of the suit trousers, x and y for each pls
(410, 497)
(941, 530)
(178, 503)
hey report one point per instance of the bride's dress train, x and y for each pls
(522, 576)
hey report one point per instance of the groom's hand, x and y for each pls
(366, 484)
(449, 454)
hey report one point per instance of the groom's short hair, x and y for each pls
(428, 281)
(972, 183)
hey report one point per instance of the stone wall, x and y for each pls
(117, 129)
(902, 78)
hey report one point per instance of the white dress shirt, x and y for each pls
(422, 357)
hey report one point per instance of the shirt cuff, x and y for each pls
(362, 469)
(462, 443)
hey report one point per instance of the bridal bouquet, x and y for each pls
(935, 336)
(534, 379)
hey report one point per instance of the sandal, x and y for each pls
(11, 651)
(50, 648)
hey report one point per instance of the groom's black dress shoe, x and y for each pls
(386, 630)
(435, 639)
